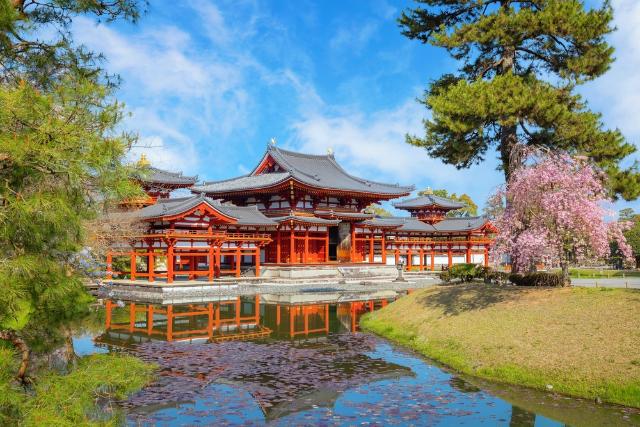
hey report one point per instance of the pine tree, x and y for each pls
(61, 163)
(521, 62)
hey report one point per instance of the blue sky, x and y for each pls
(208, 84)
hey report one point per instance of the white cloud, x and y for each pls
(163, 156)
(374, 144)
(617, 93)
(353, 36)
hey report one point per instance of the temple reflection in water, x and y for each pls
(234, 318)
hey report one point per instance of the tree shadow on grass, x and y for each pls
(456, 299)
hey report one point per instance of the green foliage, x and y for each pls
(378, 210)
(626, 214)
(11, 396)
(463, 272)
(471, 209)
(521, 62)
(61, 162)
(633, 235)
(537, 279)
(43, 61)
(68, 400)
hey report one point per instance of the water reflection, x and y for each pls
(235, 318)
(298, 360)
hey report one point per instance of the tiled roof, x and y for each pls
(341, 214)
(417, 226)
(249, 215)
(428, 200)
(314, 170)
(160, 176)
(306, 219)
(247, 182)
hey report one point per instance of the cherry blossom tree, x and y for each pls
(554, 212)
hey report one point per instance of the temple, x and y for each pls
(293, 209)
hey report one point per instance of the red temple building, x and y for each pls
(292, 209)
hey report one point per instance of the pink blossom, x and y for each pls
(555, 213)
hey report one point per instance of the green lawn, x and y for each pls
(588, 273)
(582, 342)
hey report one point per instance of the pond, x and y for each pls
(301, 360)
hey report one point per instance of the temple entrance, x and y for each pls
(334, 241)
(344, 245)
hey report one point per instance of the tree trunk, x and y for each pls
(566, 280)
(23, 348)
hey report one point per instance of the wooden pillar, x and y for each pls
(433, 258)
(170, 261)
(238, 258)
(218, 318)
(132, 316)
(468, 255)
(326, 246)
(352, 252)
(257, 309)
(210, 319)
(409, 260)
(371, 307)
(421, 267)
(449, 255)
(305, 258)
(397, 254)
(486, 256)
(257, 255)
(291, 321)
(218, 262)
(109, 265)
(278, 246)
(278, 315)
(384, 303)
(211, 261)
(384, 248)
(108, 306)
(151, 264)
(326, 317)
(238, 308)
(371, 252)
(132, 265)
(170, 323)
(353, 317)
(292, 245)
(149, 319)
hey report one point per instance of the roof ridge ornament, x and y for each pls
(330, 151)
(143, 162)
(272, 142)
(428, 191)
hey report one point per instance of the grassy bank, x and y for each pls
(72, 399)
(582, 342)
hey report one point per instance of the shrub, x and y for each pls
(464, 272)
(537, 279)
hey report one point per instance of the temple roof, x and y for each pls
(249, 215)
(307, 219)
(428, 200)
(314, 170)
(160, 176)
(447, 225)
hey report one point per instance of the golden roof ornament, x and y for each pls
(272, 142)
(330, 151)
(143, 162)
(428, 191)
